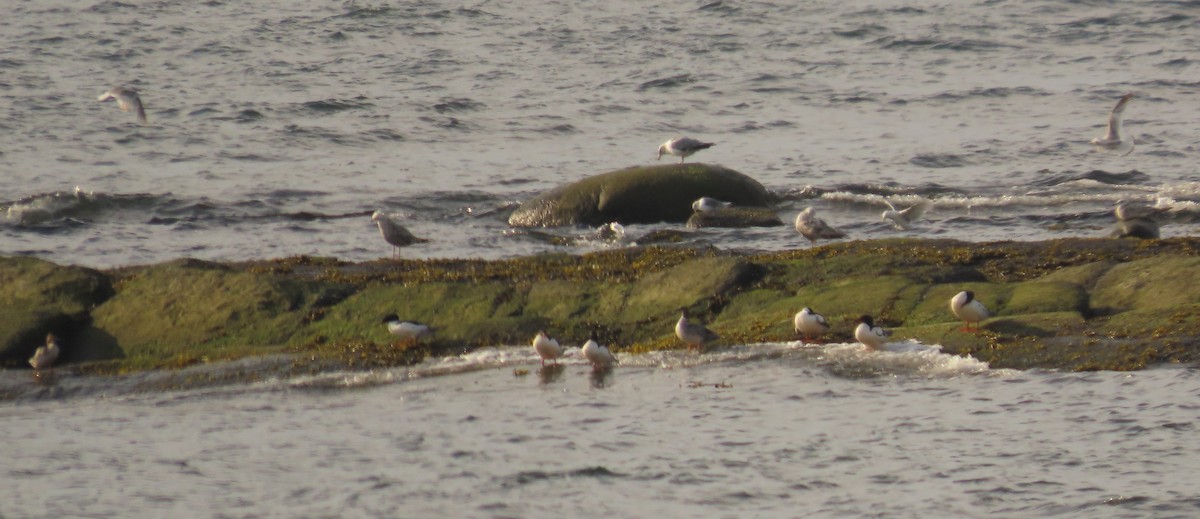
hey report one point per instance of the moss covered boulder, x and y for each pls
(39, 297)
(187, 310)
(639, 195)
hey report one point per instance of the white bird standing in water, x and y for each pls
(870, 335)
(45, 356)
(598, 354)
(547, 348)
(813, 228)
(694, 334)
(705, 204)
(903, 219)
(810, 324)
(127, 99)
(1112, 139)
(394, 233)
(682, 147)
(407, 330)
(968, 309)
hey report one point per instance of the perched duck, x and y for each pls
(1112, 139)
(705, 204)
(127, 99)
(810, 324)
(394, 233)
(813, 228)
(598, 354)
(407, 330)
(870, 335)
(694, 334)
(547, 348)
(968, 309)
(45, 356)
(682, 147)
(903, 219)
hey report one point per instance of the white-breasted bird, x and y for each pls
(1112, 140)
(810, 324)
(547, 347)
(393, 233)
(1136, 220)
(870, 335)
(694, 334)
(682, 147)
(598, 354)
(127, 99)
(968, 309)
(407, 330)
(45, 356)
(902, 219)
(813, 228)
(706, 204)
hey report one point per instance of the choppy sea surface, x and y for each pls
(764, 430)
(276, 128)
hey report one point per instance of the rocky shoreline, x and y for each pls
(1072, 304)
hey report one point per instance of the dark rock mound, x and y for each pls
(639, 195)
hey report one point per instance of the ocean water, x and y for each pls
(275, 128)
(764, 430)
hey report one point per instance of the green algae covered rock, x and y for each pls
(187, 310)
(39, 297)
(1152, 283)
(662, 193)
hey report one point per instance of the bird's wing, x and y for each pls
(915, 212)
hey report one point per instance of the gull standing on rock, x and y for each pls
(968, 309)
(1112, 139)
(394, 233)
(547, 348)
(45, 356)
(694, 334)
(903, 219)
(682, 147)
(815, 228)
(407, 330)
(870, 335)
(598, 354)
(1135, 221)
(127, 99)
(810, 324)
(707, 205)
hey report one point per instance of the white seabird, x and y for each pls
(394, 233)
(1112, 139)
(45, 356)
(694, 334)
(127, 99)
(682, 147)
(815, 228)
(407, 330)
(546, 347)
(903, 219)
(870, 335)
(598, 354)
(968, 309)
(1135, 221)
(810, 324)
(705, 204)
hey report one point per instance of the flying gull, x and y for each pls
(127, 99)
(904, 218)
(1112, 139)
